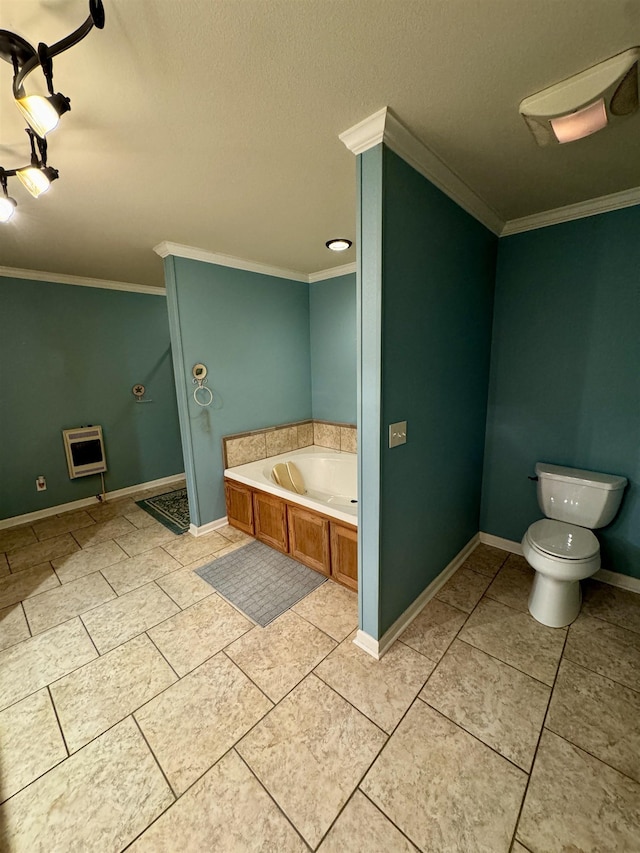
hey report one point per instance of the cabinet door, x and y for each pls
(270, 521)
(239, 506)
(344, 555)
(309, 539)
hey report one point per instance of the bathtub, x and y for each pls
(330, 477)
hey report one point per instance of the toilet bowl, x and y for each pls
(562, 555)
(561, 547)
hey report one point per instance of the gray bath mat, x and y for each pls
(260, 581)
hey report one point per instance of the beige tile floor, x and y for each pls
(140, 711)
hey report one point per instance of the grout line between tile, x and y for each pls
(504, 662)
(596, 757)
(26, 619)
(361, 779)
(386, 817)
(474, 736)
(57, 764)
(271, 797)
(595, 672)
(455, 637)
(248, 677)
(155, 757)
(98, 655)
(110, 587)
(55, 711)
(535, 753)
(117, 722)
(360, 711)
(306, 675)
(146, 633)
(313, 623)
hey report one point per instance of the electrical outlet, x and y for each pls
(41, 483)
(397, 433)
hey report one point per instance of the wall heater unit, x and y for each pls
(85, 451)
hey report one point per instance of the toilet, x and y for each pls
(561, 547)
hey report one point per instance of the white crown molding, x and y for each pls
(367, 133)
(383, 126)
(60, 278)
(334, 272)
(191, 253)
(427, 163)
(591, 207)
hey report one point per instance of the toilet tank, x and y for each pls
(586, 498)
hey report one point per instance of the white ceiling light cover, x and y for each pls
(586, 102)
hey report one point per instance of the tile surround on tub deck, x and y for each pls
(244, 447)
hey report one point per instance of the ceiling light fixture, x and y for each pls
(7, 205)
(586, 102)
(41, 113)
(36, 180)
(338, 244)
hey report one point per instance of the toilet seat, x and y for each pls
(562, 541)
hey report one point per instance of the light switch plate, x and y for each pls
(397, 433)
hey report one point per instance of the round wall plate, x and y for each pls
(199, 371)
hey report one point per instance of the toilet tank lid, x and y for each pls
(610, 482)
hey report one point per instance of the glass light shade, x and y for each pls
(339, 245)
(7, 208)
(34, 180)
(582, 123)
(39, 112)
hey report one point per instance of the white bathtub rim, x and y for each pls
(252, 475)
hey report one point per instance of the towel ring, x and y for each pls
(203, 388)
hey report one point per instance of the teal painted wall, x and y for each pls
(69, 356)
(438, 268)
(252, 332)
(565, 371)
(332, 317)
(425, 300)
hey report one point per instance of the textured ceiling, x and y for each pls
(215, 123)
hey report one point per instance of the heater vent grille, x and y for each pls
(84, 448)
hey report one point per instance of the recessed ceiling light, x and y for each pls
(338, 244)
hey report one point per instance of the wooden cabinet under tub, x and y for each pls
(317, 540)
(309, 539)
(344, 554)
(239, 501)
(270, 521)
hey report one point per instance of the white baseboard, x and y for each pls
(499, 542)
(603, 575)
(28, 517)
(377, 648)
(216, 524)
(617, 579)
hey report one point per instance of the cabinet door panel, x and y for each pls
(239, 506)
(270, 521)
(309, 539)
(344, 555)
